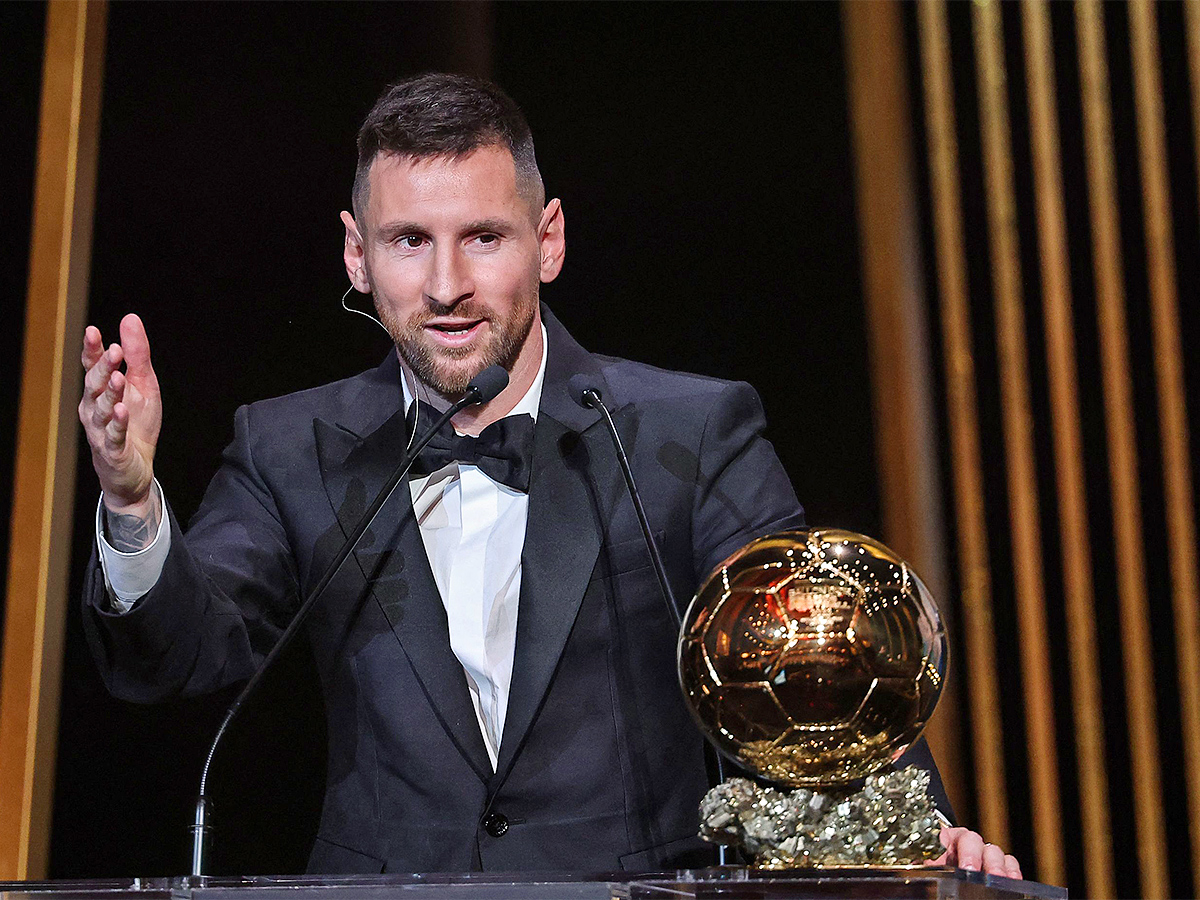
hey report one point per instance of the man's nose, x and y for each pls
(449, 279)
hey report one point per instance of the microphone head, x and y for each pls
(488, 384)
(579, 386)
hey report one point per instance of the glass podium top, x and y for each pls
(731, 883)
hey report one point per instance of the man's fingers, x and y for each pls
(109, 398)
(966, 850)
(96, 379)
(93, 347)
(136, 347)
(969, 850)
(993, 860)
(118, 425)
(949, 837)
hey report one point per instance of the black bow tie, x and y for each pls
(503, 451)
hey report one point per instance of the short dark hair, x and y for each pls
(439, 114)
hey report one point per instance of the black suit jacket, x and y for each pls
(600, 766)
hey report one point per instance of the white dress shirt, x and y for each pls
(473, 529)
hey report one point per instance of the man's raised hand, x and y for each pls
(121, 414)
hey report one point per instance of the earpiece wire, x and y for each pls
(416, 396)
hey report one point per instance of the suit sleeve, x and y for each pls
(226, 591)
(742, 491)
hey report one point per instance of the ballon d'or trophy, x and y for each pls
(813, 659)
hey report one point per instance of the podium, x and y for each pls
(732, 883)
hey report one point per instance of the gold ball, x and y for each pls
(812, 657)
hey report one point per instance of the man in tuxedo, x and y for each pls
(497, 661)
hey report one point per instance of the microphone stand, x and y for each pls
(200, 828)
(591, 397)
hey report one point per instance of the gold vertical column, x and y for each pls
(44, 485)
(1068, 454)
(1137, 649)
(963, 421)
(1017, 416)
(897, 326)
(1191, 19)
(1172, 401)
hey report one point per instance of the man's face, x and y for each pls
(453, 255)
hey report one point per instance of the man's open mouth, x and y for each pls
(454, 332)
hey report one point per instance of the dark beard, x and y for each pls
(426, 361)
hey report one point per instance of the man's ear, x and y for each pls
(355, 256)
(552, 241)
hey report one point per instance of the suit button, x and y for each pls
(495, 824)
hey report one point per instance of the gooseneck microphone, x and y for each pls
(483, 387)
(585, 393)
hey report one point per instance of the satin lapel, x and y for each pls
(391, 557)
(562, 536)
(562, 542)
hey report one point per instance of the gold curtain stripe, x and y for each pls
(1172, 402)
(44, 470)
(1080, 599)
(1191, 19)
(1122, 448)
(897, 326)
(1191, 15)
(963, 421)
(1017, 417)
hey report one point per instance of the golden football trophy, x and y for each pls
(813, 659)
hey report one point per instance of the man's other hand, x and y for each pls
(121, 412)
(966, 849)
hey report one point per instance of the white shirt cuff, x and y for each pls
(129, 576)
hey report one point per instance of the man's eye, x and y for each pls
(412, 241)
(488, 239)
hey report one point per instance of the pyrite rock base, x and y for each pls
(891, 821)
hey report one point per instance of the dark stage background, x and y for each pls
(702, 156)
